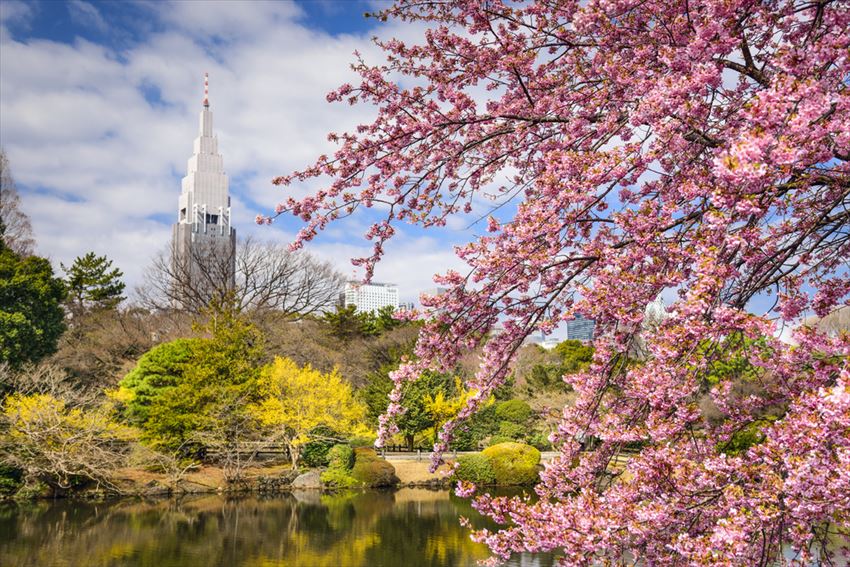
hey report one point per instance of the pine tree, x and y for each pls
(92, 282)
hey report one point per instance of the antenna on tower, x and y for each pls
(206, 89)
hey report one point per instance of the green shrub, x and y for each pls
(371, 471)
(338, 478)
(512, 430)
(367, 442)
(475, 468)
(513, 463)
(10, 480)
(516, 411)
(498, 439)
(315, 453)
(540, 441)
(341, 457)
(471, 434)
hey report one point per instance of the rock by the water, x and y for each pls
(309, 479)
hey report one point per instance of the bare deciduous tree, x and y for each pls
(15, 227)
(231, 441)
(58, 444)
(268, 277)
(101, 346)
(171, 464)
(50, 379)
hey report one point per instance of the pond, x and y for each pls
(409, 527)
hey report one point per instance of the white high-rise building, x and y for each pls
(370, 297)
(204, 242)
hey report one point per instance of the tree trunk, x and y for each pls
(408, 439)
(294, 454)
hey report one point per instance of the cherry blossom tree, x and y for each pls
(632, 147)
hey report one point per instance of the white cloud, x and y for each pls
(15, 12)
(98, 139)
(86, 14)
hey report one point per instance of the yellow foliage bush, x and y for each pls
(59, 445)
(296, 400)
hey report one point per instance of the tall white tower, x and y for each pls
(204, 242)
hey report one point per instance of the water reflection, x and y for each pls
(409, 527)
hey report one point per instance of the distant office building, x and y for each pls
(580, 329)
(370, 297)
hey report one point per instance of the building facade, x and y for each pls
(204, 242)
(580, 329)
(370, 297)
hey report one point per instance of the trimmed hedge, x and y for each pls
(516, 411)
(368, 442)
(370, 470)
(341, 457)
(475, 468)
(513, 463)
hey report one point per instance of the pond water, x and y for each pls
(404, 528)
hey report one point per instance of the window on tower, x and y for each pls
(212, 219)
(183, 214)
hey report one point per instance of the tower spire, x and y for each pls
(206, 90)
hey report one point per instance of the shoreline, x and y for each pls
(271, 479)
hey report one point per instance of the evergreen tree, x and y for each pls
(92, 282)
(416, 397)
(31, 316)
(346, 323)
(158, 370)
(206, 400)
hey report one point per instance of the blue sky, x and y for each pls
(98, 111)
(99, 107)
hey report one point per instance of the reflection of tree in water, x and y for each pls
(356, 529)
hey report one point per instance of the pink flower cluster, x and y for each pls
(701, 146)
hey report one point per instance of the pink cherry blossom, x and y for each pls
(694, 146)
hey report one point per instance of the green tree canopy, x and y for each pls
(217, 385)
(575, 356)
(346, 323)
(158, 370)
(514, 411)
(31, 316)
(416, 398)
(92, 282)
